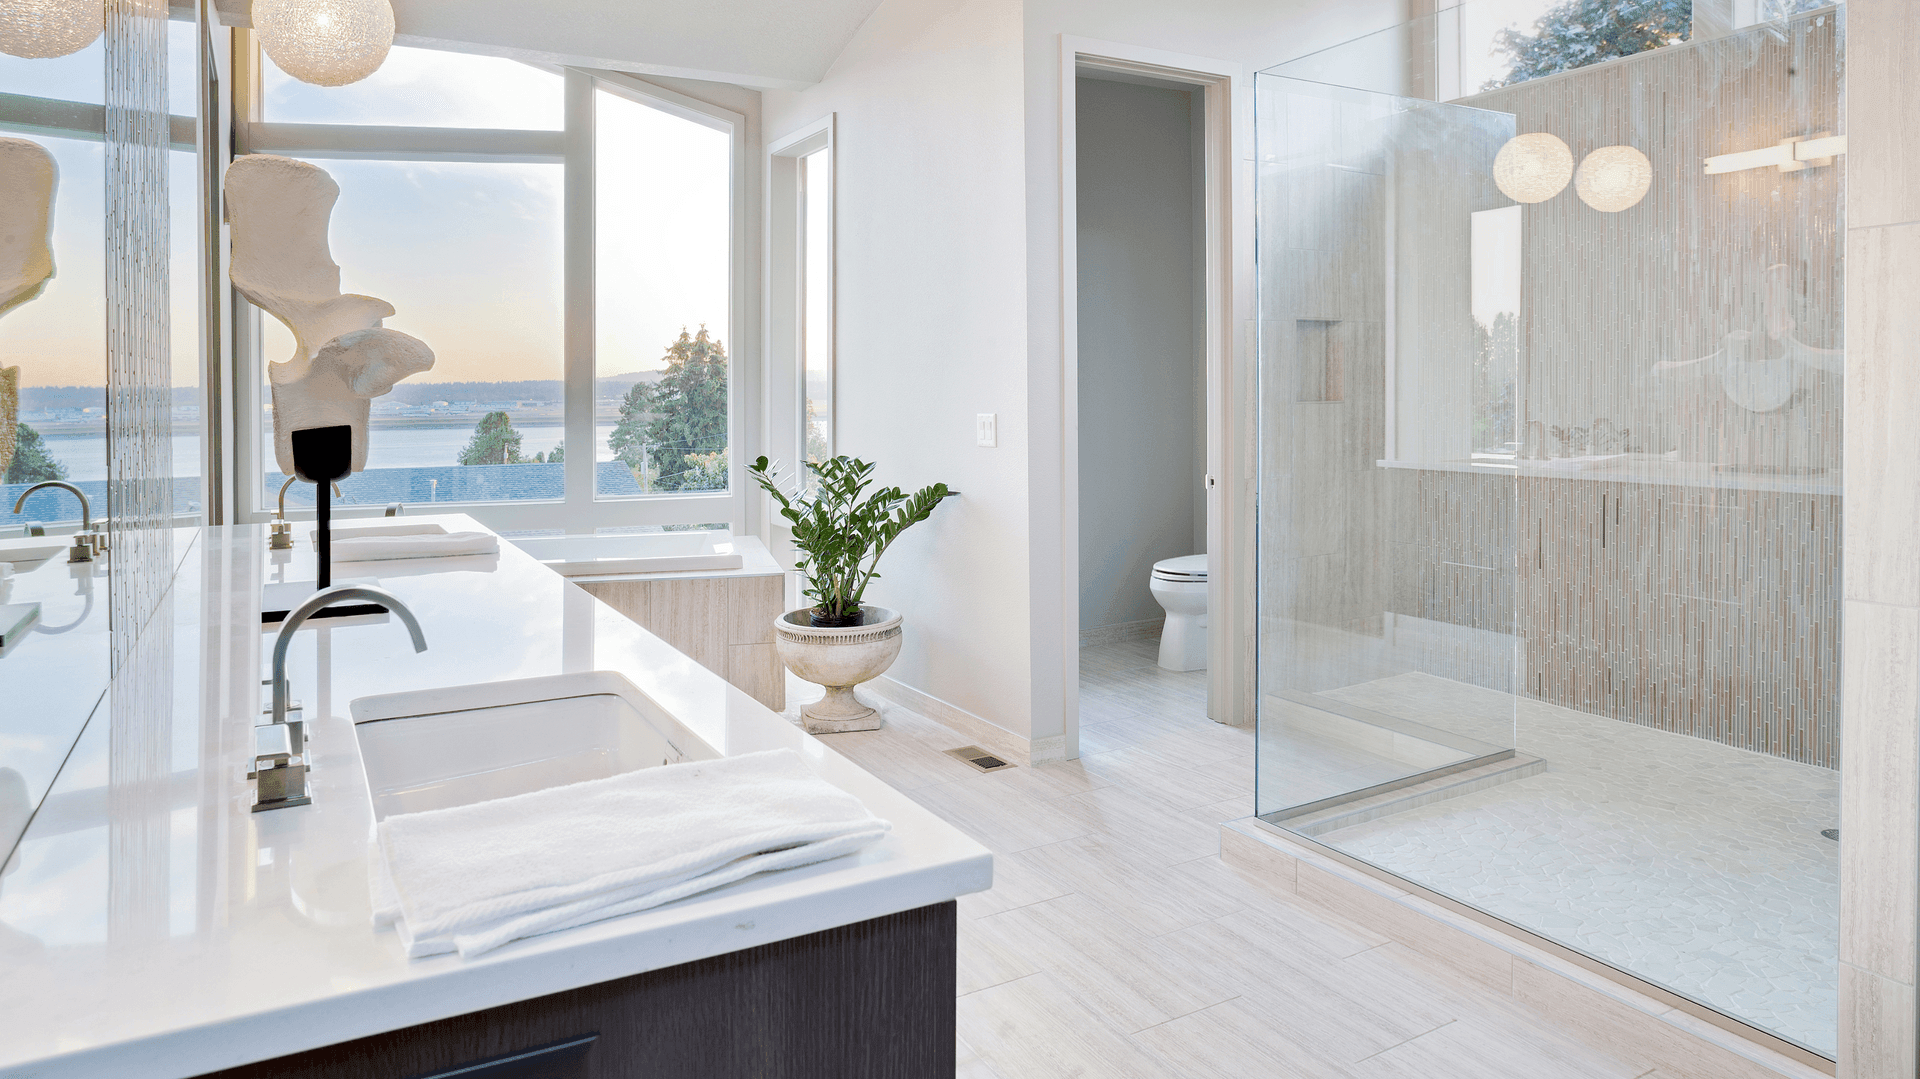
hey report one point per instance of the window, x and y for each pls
(663, 205)
(58, 339)
(497, 206)
(816, 304)
(800, 325)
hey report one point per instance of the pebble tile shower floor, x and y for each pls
(1693, 865)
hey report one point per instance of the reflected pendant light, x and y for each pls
(1613, 178)
(1532, 168)
(42, 29)
(325, 42)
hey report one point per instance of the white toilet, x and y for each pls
(1180, 584)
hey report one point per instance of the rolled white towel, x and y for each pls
(471, 878)
(385, 548)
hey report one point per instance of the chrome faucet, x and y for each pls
(280, 533)
(86, 543)
(279, 759)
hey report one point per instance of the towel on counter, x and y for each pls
(471, 878)
(383, 548)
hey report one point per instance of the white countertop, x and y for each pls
(152, 926)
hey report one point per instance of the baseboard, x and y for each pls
(984, 734)
(1122, 631)
(1639, 1023)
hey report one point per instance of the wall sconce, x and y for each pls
(325, 42)
(1788, 155)
(43, 29)
(1613, 178)
(1533, 167)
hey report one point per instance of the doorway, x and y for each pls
(1141, 317)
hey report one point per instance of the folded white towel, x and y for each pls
(383, 548)
(474, 877)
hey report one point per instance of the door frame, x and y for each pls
(1226, 97)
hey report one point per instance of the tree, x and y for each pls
(31, 462)
(557, 457)
(674, 427)
(1582, 32)
(494, 442)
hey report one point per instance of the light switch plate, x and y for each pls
(986, 428)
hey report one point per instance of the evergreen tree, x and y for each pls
(674, 428)
(1582, 32)
(494, 442)
(31, 462)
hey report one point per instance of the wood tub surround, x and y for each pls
(723, 623)
(872, 1000)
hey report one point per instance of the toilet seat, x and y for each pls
(1192, 567)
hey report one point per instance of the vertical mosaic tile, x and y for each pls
(139, 370)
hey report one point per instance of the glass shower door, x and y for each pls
(1387, 492)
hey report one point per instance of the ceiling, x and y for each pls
(784, 44)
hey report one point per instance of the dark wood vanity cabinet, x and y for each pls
(872, 1000)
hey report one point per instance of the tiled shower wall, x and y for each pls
(1696, 588)
(1709, 607)
(139, 370)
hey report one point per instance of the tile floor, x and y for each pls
(1115, 943)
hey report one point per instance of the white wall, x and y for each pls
(951, 304)
(931, 316)
(1139, 376)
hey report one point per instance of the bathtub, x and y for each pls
(657, 552)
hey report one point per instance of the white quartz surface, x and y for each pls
(150, 925)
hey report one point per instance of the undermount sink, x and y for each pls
(33, 549)
(436, 748)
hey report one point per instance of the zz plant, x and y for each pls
(842, 535)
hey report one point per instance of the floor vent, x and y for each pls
(981, 760)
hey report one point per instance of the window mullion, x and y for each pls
(578, 211)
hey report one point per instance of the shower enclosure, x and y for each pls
(1549, 558)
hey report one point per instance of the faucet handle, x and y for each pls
(279, 768)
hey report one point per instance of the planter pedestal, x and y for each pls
(839, 658)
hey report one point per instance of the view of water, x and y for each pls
(392, 447)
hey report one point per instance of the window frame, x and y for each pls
(581, 508)
(786, 324)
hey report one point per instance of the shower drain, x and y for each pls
(980, 759)
(1831, 833)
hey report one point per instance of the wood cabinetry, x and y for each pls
(725, 624)
(872, 1000)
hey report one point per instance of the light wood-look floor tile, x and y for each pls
(1115, 943)
(1034, 1029)
(1104, 963)
(1474, 1049)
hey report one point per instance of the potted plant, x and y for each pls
(841, 532)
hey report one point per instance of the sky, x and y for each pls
(469, 254)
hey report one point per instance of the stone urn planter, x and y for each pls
(839, 658)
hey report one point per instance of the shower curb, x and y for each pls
(1629, 1019)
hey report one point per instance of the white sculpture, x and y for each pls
(26, 256)
(343, 357)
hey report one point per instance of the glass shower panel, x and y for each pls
(1387, 658)
(1551, 497)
